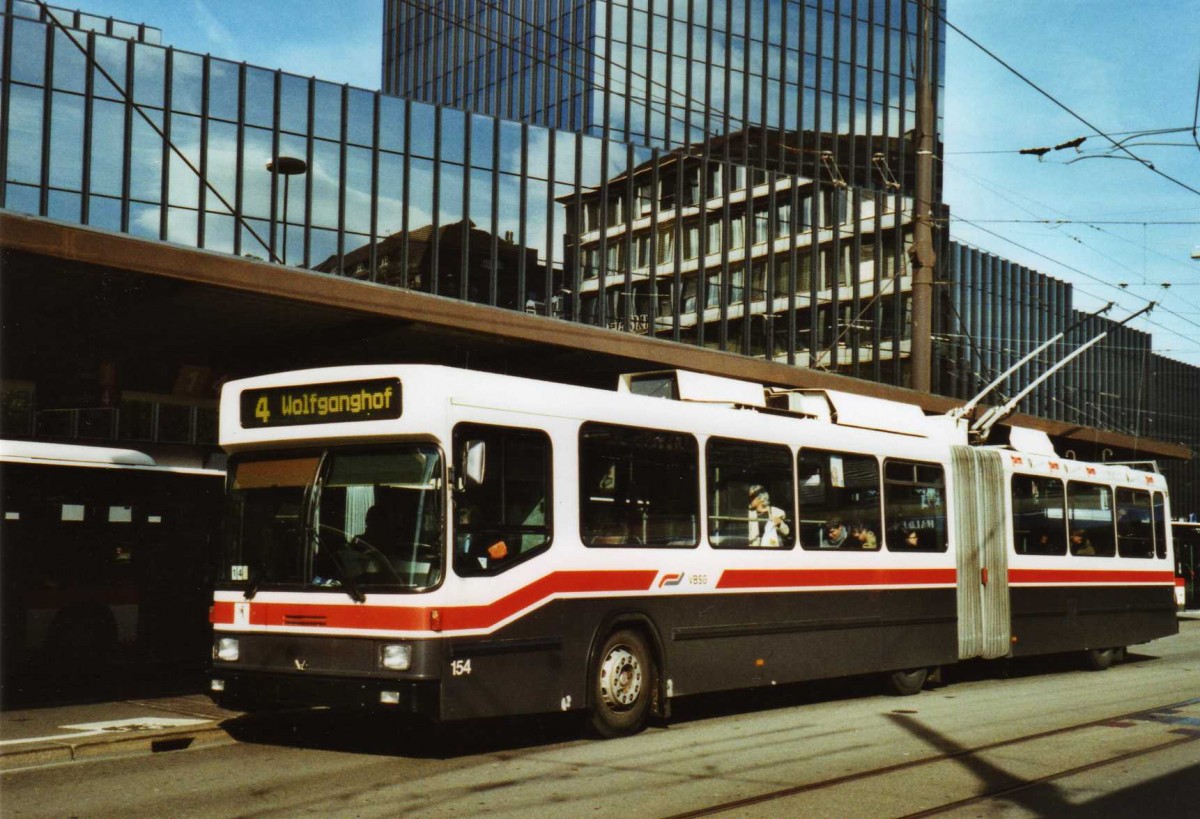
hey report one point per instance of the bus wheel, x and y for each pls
(1099, 659)
(623, 684)
(907, 683)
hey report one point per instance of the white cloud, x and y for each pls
(222, 41)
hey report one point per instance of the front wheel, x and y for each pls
(622, 686)
(907, 683)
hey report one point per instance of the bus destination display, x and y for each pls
(321, 403)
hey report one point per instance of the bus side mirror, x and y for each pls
(474, 462)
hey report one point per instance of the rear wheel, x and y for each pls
(907, 683)
(623, 682)
(1099, 659)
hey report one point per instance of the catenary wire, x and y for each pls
(1060, 104)
(993, 188)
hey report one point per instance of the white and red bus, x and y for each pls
(465, 544)
(105, 553)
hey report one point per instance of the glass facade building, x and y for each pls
(780, 232)
(823, 90)
(821, 75)
(132, 136)
(1000, 311)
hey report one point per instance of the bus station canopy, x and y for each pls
(76, 297)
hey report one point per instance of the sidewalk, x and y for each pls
(43, 736)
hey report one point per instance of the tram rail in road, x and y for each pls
(1006, 767)
(1048, 740)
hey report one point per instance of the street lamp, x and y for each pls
(289, 166)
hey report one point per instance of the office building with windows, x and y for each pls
(1000, 311)
(725, 257)
(823, 91)
(778, 230)
(125, 134)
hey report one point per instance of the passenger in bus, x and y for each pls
(1045, 545)
(1080, 544)
(861, 537)
(910, 539)
(768, 524)
(834, 534)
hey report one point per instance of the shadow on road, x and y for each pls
(384, 732)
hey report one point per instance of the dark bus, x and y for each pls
(1187, 558)
(104, 556)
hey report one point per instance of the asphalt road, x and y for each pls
(1030, 738)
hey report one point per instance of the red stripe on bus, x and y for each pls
(804, 578)
(404, 618)
(447, 618)
(475, 617)
(1085, 576)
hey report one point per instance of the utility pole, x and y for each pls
(922, 253)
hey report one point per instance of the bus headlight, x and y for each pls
(226, 649)
(397, 657)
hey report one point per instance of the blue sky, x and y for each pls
(336, 40)
(1124, 67)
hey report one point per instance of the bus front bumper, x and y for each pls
(254, 691)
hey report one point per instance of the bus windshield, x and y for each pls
(347, 520)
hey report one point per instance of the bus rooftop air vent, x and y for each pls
(682, 385)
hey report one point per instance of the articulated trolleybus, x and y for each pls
(464, 544)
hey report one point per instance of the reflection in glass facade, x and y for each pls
(174, 146)
(780, 232)
(822, 85)
(746, 260)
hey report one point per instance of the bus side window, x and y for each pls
(638, 487)
(739, 474)
(1090, 518)
(914, 501)
(1135, 532)
(1038, 515)
(839, 501)
(502, 517)
(1160, 526)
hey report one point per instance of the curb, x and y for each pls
(116, 745)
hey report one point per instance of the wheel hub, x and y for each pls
(620, 678)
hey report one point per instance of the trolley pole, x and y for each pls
(922, 253)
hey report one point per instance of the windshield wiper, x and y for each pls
(253, 589)
(348, 583)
